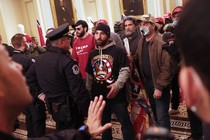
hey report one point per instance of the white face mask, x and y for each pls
(175, 22)
(145, 31)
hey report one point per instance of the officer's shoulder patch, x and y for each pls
(75, 69)
(33, 60)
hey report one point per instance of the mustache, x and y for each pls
(99, 40)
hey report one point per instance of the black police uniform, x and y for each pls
(59, 78)
(24, 60)
(35, 113)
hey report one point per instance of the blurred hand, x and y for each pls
(113, 91)
(42, 97)
(157, 94)
(95, 112)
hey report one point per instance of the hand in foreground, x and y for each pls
(157, 94)
(113, 91)
(42, 97)
(95, 116)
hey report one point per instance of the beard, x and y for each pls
(102, 42)
(128, 33)
(81, 34)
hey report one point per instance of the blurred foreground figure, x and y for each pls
(10, 108)
(193, 41)
(158, 133)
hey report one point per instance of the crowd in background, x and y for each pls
(75, 67)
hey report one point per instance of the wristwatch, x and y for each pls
(83, 128)
(84, 131)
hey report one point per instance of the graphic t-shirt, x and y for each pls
(104, 65)
(81, 51)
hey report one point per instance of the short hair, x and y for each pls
(33, 38)
(17, 39)
(193, 39)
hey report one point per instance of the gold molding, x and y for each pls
(52, 4)
(145, 6)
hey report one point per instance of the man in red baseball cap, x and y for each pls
(167, 18)
(176, 13)
(159, 21)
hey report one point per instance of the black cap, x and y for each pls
(103, 27)
(80, 22)
(59, 32)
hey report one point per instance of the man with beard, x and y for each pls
(113, 36)
(130, 26)
(108, 70)
(153, 64)
(35, 116)
(135, 90)
(83, 45)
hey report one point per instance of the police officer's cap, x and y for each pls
(59, 32)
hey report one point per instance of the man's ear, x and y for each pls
(191, 85)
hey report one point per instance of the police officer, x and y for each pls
(35, 113)
(59, 78)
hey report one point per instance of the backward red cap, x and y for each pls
(177, 9)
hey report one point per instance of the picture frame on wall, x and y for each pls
(133, 7)
(63, 11)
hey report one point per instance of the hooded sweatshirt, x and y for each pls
(106, 66)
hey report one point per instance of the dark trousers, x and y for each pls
(206, 131)
(175, 92)
(121, 111)
(195, 124)
(62, 125)
(35, 119)
(160, 106)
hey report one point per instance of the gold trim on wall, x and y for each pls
(54, 14)
(145, 6)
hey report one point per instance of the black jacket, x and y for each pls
(69, 134)
(24, 60)
(58, 76)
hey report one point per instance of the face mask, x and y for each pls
(175, 22)
(145, 31)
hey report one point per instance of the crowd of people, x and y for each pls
(80, 75)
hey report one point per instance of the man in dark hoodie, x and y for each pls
(108, 70)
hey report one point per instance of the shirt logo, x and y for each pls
(75, 69)
(102, 68)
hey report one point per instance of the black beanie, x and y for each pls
(103, 27)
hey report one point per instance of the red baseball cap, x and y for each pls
(177, 9)
(159, 20)
(102, 21)
(167, 15)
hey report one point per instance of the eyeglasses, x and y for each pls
(78, 29)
